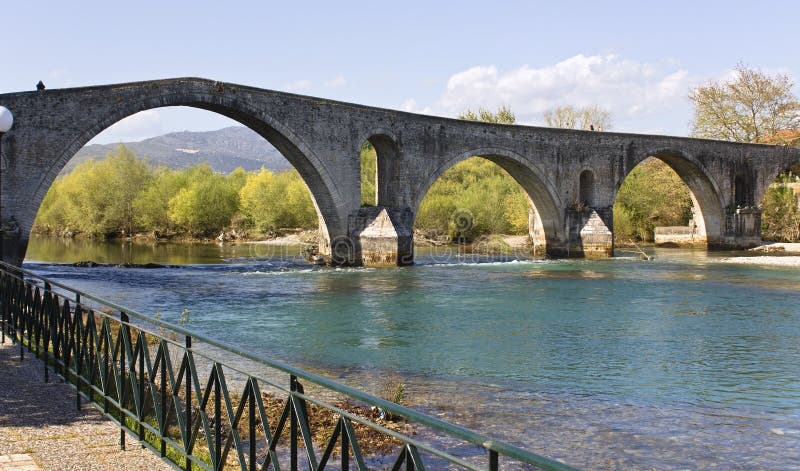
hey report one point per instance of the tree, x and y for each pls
(586, 118)
(472, 198)
(751, 107)
(152, 203)
(206, 205)
(781, 214)
(272, 201)
(97, 198)
(652, 195)
(504, 115)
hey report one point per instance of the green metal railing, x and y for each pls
(145, 374)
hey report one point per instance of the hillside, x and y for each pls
(224, 150)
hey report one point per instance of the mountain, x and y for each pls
(223, 150)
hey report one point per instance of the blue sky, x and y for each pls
(637, 59)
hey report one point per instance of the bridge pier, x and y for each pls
(742, 228)
(589, 233)
(382, 236)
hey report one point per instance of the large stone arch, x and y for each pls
(322, 186)
(547, 223)
(707, 199)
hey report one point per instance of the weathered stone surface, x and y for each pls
(322, 140)
(385, 236)
(590, 236)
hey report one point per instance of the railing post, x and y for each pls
(106, 363)
(76, 340)
(46, 328)
(188, 402)
(493, 461)
(163, 392)
(252, 427)
(3, 306)
(217, 417)
(18, 321)
(293, 386)
(345, 445)
(142, 340)
(121, 399)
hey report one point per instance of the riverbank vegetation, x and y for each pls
(123, 196)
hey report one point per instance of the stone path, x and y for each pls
(40, 427)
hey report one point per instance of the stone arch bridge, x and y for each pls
(571, 177)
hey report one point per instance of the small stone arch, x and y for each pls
(547, 224)
(586, 188)
(391, 191)
(743, 190)
(707, 199)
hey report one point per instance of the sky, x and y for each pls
(637, 59)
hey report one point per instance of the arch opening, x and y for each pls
(586, 190)
(743, 190)
(196, 198)
(669, 201)
(780, 207)
(489, 201)
(381, 183)
(369, 174)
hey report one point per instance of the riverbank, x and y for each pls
(771, 260)
(778, 261)
(786, 247)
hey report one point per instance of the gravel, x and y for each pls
(40, 420)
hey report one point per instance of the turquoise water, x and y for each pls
(699, 357)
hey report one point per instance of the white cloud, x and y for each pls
(337, 81)
(630, 90)
(134, 128)
(299, 85)
(411, 106)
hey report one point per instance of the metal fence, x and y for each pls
(167, 387)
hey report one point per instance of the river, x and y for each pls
(681, 362)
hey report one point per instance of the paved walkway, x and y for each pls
(40, 427)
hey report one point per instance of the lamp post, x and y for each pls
(6, 120)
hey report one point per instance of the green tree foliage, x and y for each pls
(272, 201)
(206, 205)
(97, 198)
(122, 195)
(369, 164)
(152, 203)
(473, 198)
(652, 195)
(780, 216)
(750, 107)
